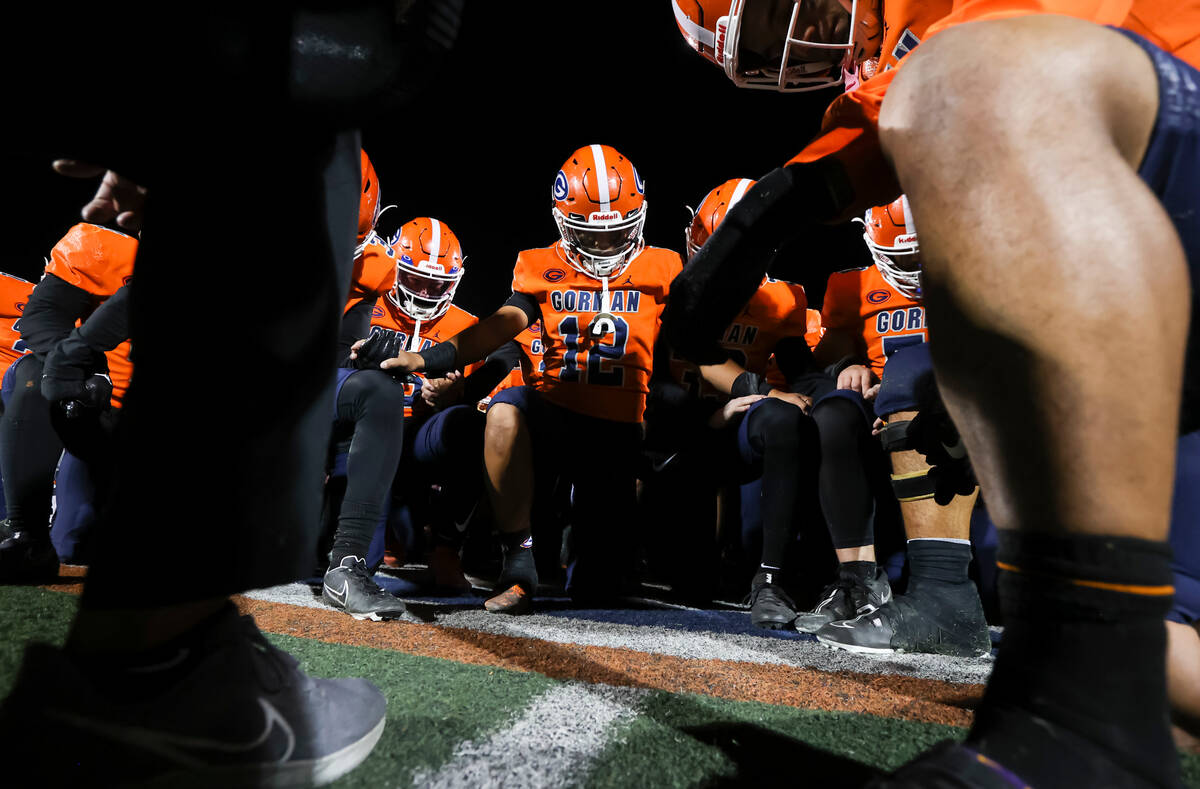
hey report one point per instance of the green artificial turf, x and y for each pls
(675, 739)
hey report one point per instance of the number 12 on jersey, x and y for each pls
(568, 327)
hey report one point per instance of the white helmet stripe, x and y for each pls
(910, 227)
(602, 177)
(739, 190)
(435, 241)
(705, 37)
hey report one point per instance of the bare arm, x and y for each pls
(472, 343)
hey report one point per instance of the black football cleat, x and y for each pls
(27, 560)
(517, 583)
(349, 587)
(244, 715)
(770, 606)
(846, 598)
(943, 620)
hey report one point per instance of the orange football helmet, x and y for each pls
(600, 209)
(759, 45)
(369, 200)
(712, 210)
(429, 266)
(892, 238)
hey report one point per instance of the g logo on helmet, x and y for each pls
(560, 186)
(553, 274)
(878, 296)
(638, 182)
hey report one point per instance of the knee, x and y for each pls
(839, 423)
(377, 394)
(1046, 78)
(781, 424)
(504, 423)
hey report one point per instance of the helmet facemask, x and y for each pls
(601, 246)
(746, 45)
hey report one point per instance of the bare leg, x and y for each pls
(508, 477)
(508, 462)
(1054, 279)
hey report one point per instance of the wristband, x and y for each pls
(748, 383)
(440, 359)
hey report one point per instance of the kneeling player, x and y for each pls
(599, 293)
(743, 425)
(880, 307)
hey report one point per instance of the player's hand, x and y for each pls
(871, 393)
(443, 392)
(856, 377)
(803, 402)
(383, 344)
(116, 198)
(404, 362)
(878, 426)
(731, 409)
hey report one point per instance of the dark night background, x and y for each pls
(527, 85)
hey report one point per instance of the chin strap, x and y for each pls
(414, 345)
(604, 322)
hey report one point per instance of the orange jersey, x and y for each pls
(607, 377)
(904, 26)
(814, 329)
(850, 128)
(100, 261)
(777, 309)
(860, 301)
(454, 320)
(14, 295)
(374, 273)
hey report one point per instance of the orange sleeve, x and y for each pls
(841, 309)
(850, 136)
(94, 259)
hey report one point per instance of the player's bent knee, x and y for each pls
(1046, 77)
(504, 423)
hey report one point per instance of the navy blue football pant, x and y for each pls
(1185, 531)
(599, 457)
(29, 446)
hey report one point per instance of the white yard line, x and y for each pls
(553, 742)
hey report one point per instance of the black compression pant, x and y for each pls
(846, 455)
(373, 402)
(29, 450)
(786, 440)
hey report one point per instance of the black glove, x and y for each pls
(933, 434)
(75, 373)
(382, 344)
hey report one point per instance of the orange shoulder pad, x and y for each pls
(94, 259)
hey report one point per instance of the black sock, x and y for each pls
(143, 674)
(1079, 688)
(863, 571)
(933, 561)
(356, 526)
(519, 567)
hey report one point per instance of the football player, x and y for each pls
(14, 294)
(409, 436)
(1076, 117)
(86, 267)
(874, 322)
(599, 292)
(759, 429)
